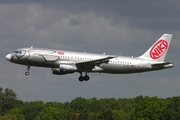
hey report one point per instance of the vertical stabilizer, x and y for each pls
(159, 49)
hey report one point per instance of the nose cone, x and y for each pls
(8, 57)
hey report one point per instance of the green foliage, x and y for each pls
(150, 108)
(173, 109)
(138, 108)
(16, 112)
(78, 104)
(8, 100)
(8, 117)
(31, 109)
(105, 114)
(52, 113)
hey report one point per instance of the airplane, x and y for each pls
(66, 62)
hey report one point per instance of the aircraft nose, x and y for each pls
(8, 57)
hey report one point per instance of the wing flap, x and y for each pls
(92, 63)
(96, 61)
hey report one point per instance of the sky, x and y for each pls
(116, 27)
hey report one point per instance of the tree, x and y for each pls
(52, 113)
(105, 114)
(8, 117)
(31, 109)
(142, 108)
(8, 100)
(78, 104)
(150, 108)
(173, 109)
(16, 112)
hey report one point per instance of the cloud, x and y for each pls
(123, 28)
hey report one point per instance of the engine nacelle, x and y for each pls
(64, 69)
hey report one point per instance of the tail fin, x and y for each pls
(159, 49)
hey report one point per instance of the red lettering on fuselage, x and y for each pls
(60, 53)
(159, 49)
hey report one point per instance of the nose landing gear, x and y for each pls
(27, 73)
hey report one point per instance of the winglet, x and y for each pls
(159, 49)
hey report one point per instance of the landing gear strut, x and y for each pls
(85, 78)
(27, 73)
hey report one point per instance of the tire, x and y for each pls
(86, 77)
(26, 73)
(81, 78)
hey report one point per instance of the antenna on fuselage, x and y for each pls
(104, 53)
(30, 48)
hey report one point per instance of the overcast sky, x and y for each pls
(117, 27)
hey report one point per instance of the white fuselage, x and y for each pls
(52, 58)
(65, 62)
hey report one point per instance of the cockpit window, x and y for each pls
(18, 52)
(20, 55)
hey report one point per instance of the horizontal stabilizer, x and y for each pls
(163, 65)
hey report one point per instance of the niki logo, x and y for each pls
(158, 49)
(60, 53)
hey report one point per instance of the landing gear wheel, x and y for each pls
(86, 77)
(26, 73)
(28, 68)
(81, 78)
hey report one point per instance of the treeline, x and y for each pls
(138, 108)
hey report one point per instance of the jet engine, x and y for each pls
(64, 69)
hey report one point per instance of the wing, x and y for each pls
(89, 65)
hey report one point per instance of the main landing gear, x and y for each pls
(85, 78)
(27, 73)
